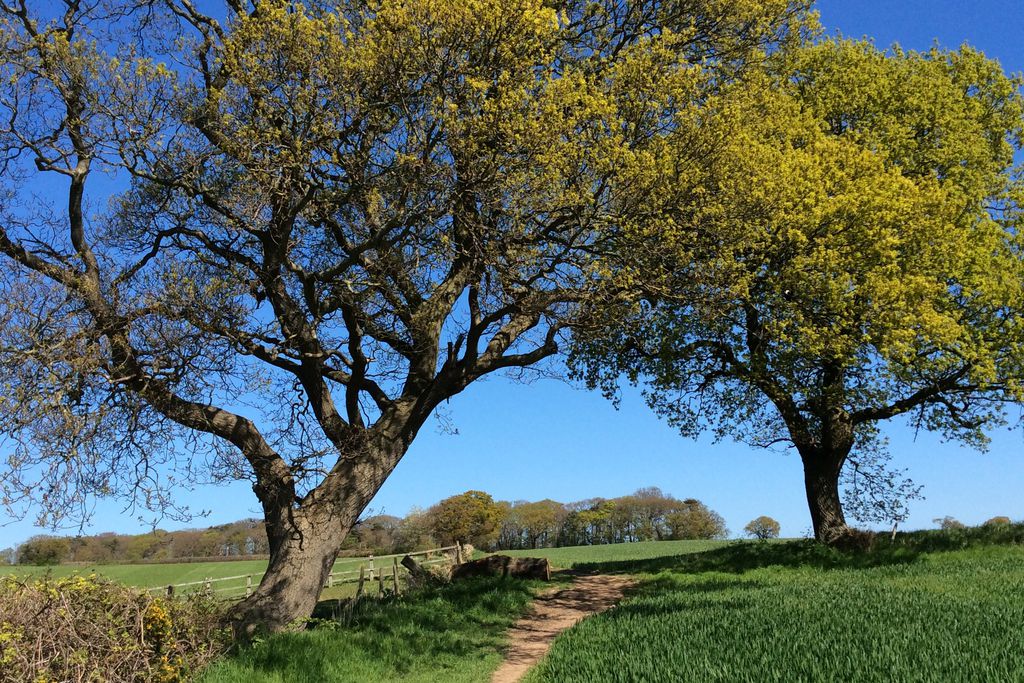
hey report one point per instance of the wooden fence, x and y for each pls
(382, 568)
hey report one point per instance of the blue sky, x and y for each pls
(549, 440)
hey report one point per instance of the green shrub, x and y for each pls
(84, 628)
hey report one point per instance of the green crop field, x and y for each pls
(577, 556)
(794, 612)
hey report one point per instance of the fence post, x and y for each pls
(330, 580)
(380, 583)
(394, 575)
(248, 585)
(362, 578)
(170, 591)
(458, 552)
(371, 567)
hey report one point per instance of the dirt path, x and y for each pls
(552, 613)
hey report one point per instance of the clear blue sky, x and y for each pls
(548, 440)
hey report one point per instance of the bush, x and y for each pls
(83, 628)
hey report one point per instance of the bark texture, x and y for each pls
(821, 483)
(289, 591)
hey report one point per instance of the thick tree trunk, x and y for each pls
(296, 574)
(305, 535)
(821, 481)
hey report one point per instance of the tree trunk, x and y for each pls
(296, 574)
(304, 538)
(821, 480)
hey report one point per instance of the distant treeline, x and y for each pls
(472, 517)
(246, 537)
(475, 517)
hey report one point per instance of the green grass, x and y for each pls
(585, 555)
(930, 606)
(153, 575)
(450, 634)
(927, 608)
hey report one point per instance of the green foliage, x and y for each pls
(850, 253)
(44, 550)
(646, 514)
(696, 520)
(531, 525)
(470, 517)
(451, 633)
(86, 628)
(762, 528)
(802, 611)
(956, 537)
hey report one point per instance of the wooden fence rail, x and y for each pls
(367, 571)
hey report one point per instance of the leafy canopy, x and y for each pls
(320, 220)
(849, 249)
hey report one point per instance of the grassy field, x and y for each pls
(797, 612)
(450, 634)
(933, 606)
(586, 555)
(154, 575)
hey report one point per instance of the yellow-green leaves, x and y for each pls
(855, 188)
(835, 233)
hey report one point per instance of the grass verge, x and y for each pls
(451, 633)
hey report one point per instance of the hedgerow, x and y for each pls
(85, 628)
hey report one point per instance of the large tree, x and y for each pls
(271, 240)
(850, 254)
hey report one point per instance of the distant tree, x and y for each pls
(540, 522)
(694, 520)
(414, 532)
(44, 550)
(597, 523)
(763, 527)
(470, 517)
(948, 523)
(644, 514)
(511, 533)
(8, 556)
(997, 521)
(377, 533)
(145, 546)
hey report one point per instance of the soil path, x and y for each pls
(552, 613)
